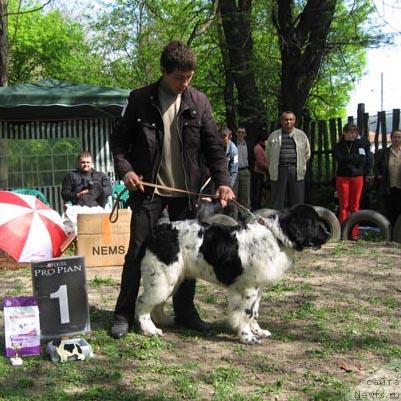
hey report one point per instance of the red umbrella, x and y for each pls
(29, 229)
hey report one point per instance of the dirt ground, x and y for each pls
(335, 319)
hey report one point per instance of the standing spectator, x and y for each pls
(287, 152)
(231, 155)
(242, 186)
(165, 136)
(85, 186)
(388, 173)
(367, 173)
(260, 172)
(350, 155)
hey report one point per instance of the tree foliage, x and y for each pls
(45, 44)
(289, 57)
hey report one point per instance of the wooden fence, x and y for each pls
(323, 135)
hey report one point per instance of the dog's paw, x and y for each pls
(147, 326)
(247, 337)
(153, 332)
(261, 333)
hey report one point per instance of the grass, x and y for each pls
(339, 306)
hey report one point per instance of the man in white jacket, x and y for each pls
(287, 153)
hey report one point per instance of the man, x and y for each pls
(242, 186)
(287, 152)
(388, 173)
(166, 132)
(231, 155)
(85, 186)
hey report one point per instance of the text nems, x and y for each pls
(108, 250)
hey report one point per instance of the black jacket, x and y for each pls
(350, 157)
(137, 140)
(76, 181)
(382, 169)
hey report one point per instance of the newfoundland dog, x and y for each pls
(243, 258)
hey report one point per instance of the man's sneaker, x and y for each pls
(120, 327)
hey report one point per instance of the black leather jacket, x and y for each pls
(382, 158)
(76, 181)
(350, 157)
(137, 140)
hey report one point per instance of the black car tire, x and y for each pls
(369, 216)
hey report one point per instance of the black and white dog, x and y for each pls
(66, 350)
(242, 258)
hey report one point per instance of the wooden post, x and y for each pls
(326, 152)
(359, 120)
(396, 119)
(333, 141)
(383, 123)
(320, 136)
(3, 44)
(313, 151)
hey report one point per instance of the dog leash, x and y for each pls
(116, 204)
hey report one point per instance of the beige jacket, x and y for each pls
(273, 152)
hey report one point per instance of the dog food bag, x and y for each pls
(22, 327)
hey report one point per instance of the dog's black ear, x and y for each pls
(296, 223)
(56, 342)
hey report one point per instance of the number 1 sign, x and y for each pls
(60, 286)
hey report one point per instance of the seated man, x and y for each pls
(84, 186)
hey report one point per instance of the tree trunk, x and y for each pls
(303, 45)
(3, 44)
(3, 82)
(229, 101)
(238, 38)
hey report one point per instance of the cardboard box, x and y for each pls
(103, 243)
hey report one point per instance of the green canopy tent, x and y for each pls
(52, 99)
(52, 109)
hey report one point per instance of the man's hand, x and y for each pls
(225, 194)
(82, 193)
(133, 181)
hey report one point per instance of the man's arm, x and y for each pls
(106, 185)
(213, 149)
(307, 147)
(120, 142)
(121, 138)
(67, 189)
(214, 154)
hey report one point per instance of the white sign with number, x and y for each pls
(60, 286)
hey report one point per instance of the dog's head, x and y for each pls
(302, 225)
(56, 342)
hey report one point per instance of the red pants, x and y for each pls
(349, 190)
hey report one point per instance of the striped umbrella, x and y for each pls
(29, 229)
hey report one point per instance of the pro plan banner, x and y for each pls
(21, 324)
(60, 286)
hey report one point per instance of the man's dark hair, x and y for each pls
(350, 127)
(177, 56)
